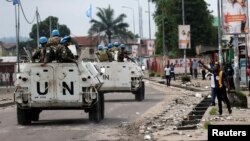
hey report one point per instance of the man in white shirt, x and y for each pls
(213, 94)
(167, 73)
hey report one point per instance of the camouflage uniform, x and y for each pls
(45, 55)
(64, 55)
(122, 54)
(102, 55)
(110, 55)
(54, 43)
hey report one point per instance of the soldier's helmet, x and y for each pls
(65, 40)
(116, 44)
(43, 40)
(122, 46)
(55, 32)
(100, 47)
(110, 46)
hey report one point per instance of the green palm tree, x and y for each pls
(108, 25)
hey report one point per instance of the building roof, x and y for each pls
(87, 41)
(8, 45)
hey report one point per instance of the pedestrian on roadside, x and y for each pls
(213, 94)
(167, 73)
(195, 68)
(220, 88)
(172, 73)
(203, 72)
(191, 67)
(229, 73)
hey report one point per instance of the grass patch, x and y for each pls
(213, 111)
(185, 79)
(151, 74)
(205, 125)
(238, 99)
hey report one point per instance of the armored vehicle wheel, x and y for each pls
(95, 113)
(23, 116)
(102, 105)
(35, 115)
(139, 95)
(143, 89)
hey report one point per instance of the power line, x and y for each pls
(26, 17)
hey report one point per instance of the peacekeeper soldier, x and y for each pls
(109, 52)
(101, 54)
(64, 54)
(123, 53)
(115, 49)
(45, 54)
(54, 41)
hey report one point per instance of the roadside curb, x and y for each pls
(7, 104)
(161, 83)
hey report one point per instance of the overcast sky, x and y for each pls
(73, 14)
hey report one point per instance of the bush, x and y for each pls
(213, 111)
(158, 75)
(238, 99)
(185, 79)
(151, 74)
(206, 124)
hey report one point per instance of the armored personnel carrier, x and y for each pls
(58, 86)
(122, 77)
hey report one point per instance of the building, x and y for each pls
(7, 49)
(7, 70)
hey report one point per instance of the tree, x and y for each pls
(197, 16)
(108, 25)
(44, 28)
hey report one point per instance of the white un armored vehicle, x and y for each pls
(122, 77)
(58, 86)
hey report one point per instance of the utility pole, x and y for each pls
(37, 27)
(163, 42)
(236, 64)
(149, 25)
(219, 33)
(183, 22)
(17, 19)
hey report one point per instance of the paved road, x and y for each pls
(74, 125)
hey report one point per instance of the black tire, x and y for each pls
(143, 89)
(35, 115)
(95, 113)
(23, 116)
(102, 99)
(139, 95)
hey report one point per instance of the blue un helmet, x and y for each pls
(110, 46)
(55, 33)
(116, 44)
(100, 47)
(43, 40)
(122, 46)
(65, 39)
